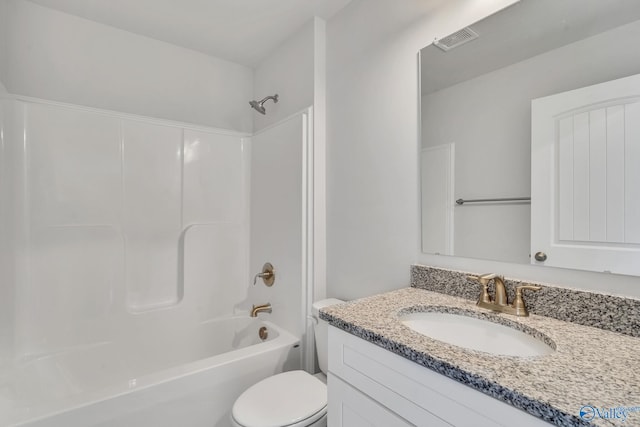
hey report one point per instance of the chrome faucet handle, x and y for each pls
(520, 309)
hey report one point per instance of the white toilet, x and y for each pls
(291, 399)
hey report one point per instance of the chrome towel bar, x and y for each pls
(508, 199)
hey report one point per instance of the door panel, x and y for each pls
(585, 208)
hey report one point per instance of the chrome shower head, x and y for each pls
(259, 105)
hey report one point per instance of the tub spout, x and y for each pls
(260, 308)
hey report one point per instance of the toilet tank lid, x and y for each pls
(324, 303)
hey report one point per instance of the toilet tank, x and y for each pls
(321, 331)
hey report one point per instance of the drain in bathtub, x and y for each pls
(263, 333)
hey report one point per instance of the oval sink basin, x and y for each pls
(476, 334)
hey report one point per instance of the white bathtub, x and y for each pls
(189, 380)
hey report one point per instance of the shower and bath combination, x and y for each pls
(259, 105)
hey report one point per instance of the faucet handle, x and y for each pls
(519, 289)
(488, 276)
(483, 279)
(268, 275)
(518, 303)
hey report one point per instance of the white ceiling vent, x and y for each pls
(456, 39)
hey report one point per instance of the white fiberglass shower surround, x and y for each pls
(126, 255)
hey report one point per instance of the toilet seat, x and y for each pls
(290, 399)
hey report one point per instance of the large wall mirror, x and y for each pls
(530, 137)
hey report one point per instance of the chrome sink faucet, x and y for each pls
(500, 302)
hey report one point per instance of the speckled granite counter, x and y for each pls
(589, 367)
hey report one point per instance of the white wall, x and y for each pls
(287, 71)
(55, 56)
(278, 221)
(491, 160)
(7, 292)
(373, 196)
(372, 152)
(6, 265)
(3, 44)
(297, 72)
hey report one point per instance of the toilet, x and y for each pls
(291, 399)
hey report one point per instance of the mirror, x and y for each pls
(476, 128)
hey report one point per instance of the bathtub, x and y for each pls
(190, 380)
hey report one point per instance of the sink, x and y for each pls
(476, 334)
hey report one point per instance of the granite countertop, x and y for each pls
(589, 366)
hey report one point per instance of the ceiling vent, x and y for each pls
(456, 39)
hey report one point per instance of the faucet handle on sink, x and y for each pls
(486, 276)
(518, 303)
(484, 281)
(483, 278)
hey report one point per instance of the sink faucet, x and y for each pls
(260, 308)
(500, 302)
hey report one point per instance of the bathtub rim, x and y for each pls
(42, 412)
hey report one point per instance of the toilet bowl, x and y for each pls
(289, 399)
(293, 398)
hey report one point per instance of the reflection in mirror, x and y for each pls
(476, 115)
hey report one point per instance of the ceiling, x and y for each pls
(241, 31)
(526, 29)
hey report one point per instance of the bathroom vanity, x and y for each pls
(372, 386)
(384, 373)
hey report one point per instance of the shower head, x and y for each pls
(259, 105)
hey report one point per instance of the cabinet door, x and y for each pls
(585, 186)
(350, 408)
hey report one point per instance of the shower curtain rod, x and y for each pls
(507, 199)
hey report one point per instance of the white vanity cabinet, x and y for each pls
(370, 386)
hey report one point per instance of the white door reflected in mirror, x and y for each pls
(586, 162)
